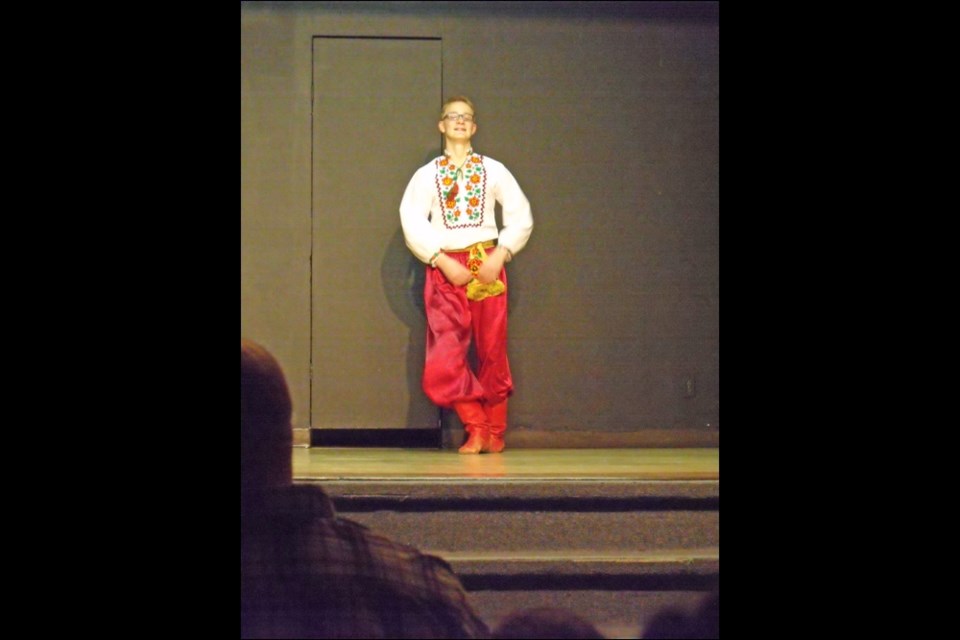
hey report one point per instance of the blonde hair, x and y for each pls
(463, 99)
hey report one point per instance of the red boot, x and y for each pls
(497, 418)
(474, 423)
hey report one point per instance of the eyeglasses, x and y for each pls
(453, 117)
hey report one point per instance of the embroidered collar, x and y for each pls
(459, 170)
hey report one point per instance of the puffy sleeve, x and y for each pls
(517, 218)
(421, 238)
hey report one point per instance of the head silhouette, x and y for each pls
(545, 622)
(266, 436)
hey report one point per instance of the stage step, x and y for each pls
(614, 550)
(545, 516)
(619, 592)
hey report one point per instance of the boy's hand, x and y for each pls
(457, 274)
(490, 269)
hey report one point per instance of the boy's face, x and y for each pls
(459, 128)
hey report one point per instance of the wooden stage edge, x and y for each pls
(516, 438)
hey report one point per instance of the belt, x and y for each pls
(486, 245)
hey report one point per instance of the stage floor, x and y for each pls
(365, 464)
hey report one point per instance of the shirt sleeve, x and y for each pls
(517, 218)
(421, 238)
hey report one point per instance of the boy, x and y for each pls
(449, 223)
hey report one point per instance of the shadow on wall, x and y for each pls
(403, 277)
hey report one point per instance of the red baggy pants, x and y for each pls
(452, 320)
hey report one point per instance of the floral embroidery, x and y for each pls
(477, 256)
(462, 191)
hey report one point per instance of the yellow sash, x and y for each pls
(475, 290)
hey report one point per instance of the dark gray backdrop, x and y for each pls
(609, 119)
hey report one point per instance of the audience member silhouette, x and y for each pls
(673, 623)
(304, 571)
(545, 622)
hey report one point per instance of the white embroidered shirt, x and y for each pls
(448, 207)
